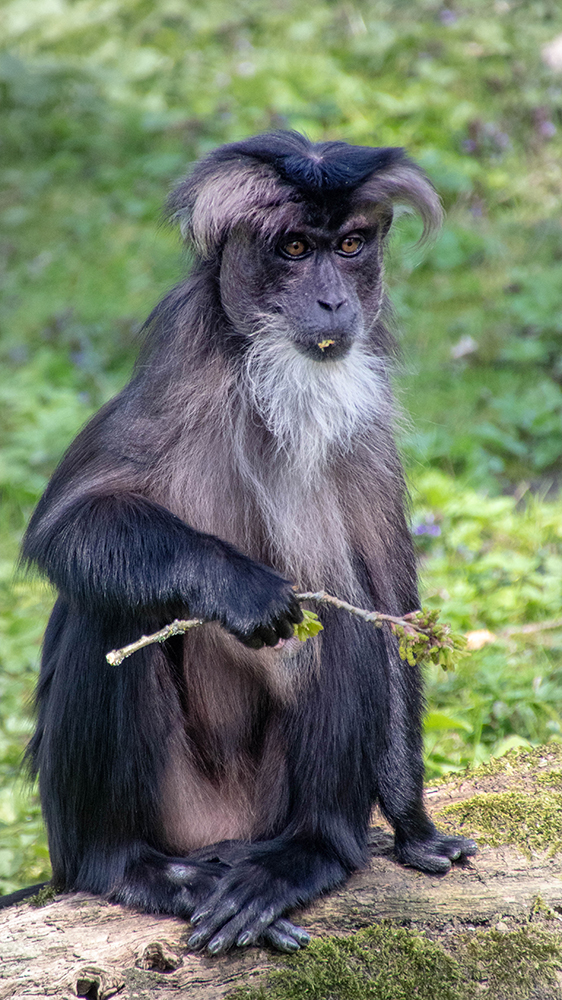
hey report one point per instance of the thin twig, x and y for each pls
(179, 626)
(376, 617)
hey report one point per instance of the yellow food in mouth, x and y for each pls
(324, 343)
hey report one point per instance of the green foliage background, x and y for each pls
(103, 105)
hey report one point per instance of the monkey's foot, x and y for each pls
(435, 853)
(241, 911)
(248, 905)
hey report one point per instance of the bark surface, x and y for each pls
(82, 946)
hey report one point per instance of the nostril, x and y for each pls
(331, 306)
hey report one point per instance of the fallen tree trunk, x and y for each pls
(79, 945)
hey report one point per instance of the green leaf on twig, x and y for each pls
(310, 626)
(435, 642)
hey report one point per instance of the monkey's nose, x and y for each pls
(331, 304)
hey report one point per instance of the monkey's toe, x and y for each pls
(285, 936)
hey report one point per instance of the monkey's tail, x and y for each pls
(21, 894)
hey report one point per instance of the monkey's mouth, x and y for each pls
(325, 349)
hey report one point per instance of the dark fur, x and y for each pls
(216, 777)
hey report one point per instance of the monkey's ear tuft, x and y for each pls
(218, 196)
(405, 183)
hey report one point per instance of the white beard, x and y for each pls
(314, 411)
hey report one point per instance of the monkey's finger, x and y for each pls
(458, 847)
(203, 937)
(268, 635)
(284, 936)
(219, 936)
(425, 858)
(251, 640)
(468, 847)
(433, 864)
(205, 914)
(283, 628)
(452, 847)
(295, 611)
(265, 925)
(219, 921)
(225, 939)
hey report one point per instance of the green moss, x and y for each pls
(542, 910)
(532, 823)
(44, 896)
(551, 779)
(519, 759)
(510, 966)
(387, 962)
(522, 759)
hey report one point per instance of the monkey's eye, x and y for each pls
(295, 248)
(351, 245)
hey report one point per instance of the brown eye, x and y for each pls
(295, 248)
(351, 245)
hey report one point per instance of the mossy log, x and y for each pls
(491, 928)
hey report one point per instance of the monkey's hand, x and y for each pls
(256, 604)
(435, 852)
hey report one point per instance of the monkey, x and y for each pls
(228, 776)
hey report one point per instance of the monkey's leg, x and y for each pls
(156, 883)
(399, 774)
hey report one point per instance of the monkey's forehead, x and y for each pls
(332, 214)
(319, 221)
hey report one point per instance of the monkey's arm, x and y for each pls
(125, 551)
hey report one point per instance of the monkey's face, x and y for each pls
(316, 287)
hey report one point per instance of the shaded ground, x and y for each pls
(490, 929)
